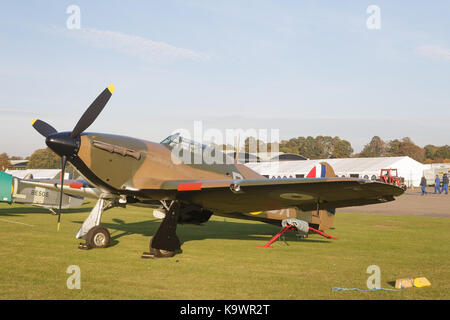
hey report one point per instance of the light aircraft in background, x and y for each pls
(133, 171)
(36, 192)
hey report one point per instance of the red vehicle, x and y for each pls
(390, 176)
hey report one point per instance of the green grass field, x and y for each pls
(220, 259)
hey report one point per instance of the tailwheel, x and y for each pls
(98, 237)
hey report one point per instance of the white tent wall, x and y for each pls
(434, 169)
(411, 170)
(283, 169)
(368, 168)
(38, 173)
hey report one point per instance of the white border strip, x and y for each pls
(25, 224)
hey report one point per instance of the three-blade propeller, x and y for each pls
(62, 143)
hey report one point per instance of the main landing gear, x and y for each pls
(95, 235)
(165, 243)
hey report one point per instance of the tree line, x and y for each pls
(405, 147)
(40, 159)
(325, 147)
(320, 147)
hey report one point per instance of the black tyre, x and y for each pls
(98, 237)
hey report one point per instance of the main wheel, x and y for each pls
(98, 237)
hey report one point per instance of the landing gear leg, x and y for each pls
(165, 242)
(96, 236)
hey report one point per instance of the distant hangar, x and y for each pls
(367, 168)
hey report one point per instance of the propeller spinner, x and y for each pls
(66, 144)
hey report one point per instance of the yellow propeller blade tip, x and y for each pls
(58, 227)
(32, 122)
(111, 88)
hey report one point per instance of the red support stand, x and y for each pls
(323, 234)
(286, 228)
(289, 227)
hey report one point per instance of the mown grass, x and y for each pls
(220, 260)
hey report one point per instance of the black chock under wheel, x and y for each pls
(83, 246)
(147, 255)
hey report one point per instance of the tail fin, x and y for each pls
(58, 176)
(6, 187)
(321, 170)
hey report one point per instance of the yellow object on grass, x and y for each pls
(421, 282)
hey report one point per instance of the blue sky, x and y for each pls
(303, 67)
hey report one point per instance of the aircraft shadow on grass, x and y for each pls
(209, 230)
(18, 211)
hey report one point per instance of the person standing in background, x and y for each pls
(444, 184)
(423, 184)
(437, 184)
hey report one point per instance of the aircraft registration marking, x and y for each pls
(39, 194)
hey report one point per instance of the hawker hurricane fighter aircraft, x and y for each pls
(170, 176)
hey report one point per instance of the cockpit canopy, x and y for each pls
(176, 140)
(186, 149)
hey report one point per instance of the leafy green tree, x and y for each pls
(47, 159)
(442, 152)
(44, 159)
(436, 153)
(429, 151)
(405, 147)
(253, 145)
(375, 148)
(341, 148)
(4, 162)
(319, 147)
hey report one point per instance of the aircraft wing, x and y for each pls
(250, 195)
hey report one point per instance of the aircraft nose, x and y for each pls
(63, 144)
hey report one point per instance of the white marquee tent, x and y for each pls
(368, 168)
(38, 173)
